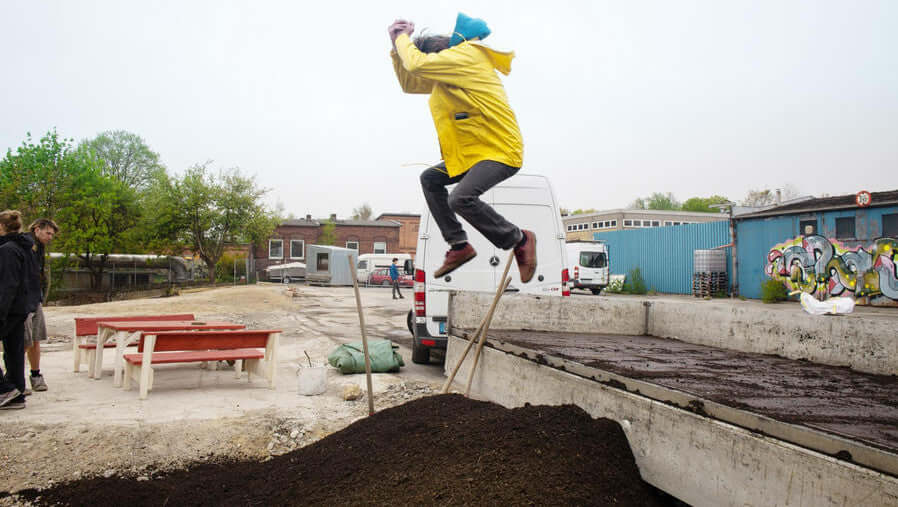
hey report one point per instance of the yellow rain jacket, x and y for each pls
(467, 100)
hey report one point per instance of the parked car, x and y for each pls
(524, 199)
(590, 265)
(381, 276)
(368, 263)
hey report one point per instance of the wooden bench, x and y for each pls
(85, 352)
(254, 350)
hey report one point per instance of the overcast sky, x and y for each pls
(615, 99)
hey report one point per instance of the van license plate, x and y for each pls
(442, 328)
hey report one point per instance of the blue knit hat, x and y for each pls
(467, 28)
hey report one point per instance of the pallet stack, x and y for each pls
(709, 273)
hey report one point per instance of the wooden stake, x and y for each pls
(358, 305)
(474, 337)
(486, 326)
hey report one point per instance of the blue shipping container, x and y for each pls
(664, 254)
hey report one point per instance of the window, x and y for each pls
(676, 223)
(569, 228)
(321, 264)
(380, 247)
(362, 265)
(353, 245)
(845, 228)
(592, 259)
(614, 223)
(297, 249)
(890, 226)
(595, 225)
(667, 223)
(275, 249)
(628, 223)
(655, 223)
(807, 227)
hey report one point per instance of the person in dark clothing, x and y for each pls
(42, 232)
(394, 277)
(19, 296)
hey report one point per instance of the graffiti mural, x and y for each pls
(826, 267)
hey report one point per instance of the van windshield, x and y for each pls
(363, 265)
(593, 259)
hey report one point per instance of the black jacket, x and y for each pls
(40, 256)
(20, 290)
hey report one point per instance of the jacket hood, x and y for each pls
(501, 59)
(468, 28)
(25, 241)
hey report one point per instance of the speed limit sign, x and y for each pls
(863, 198)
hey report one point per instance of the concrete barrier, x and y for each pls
(697, 459)
(865, 341)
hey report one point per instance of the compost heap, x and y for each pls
(436, 450)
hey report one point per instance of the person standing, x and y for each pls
(394, 277)
(480, 141)
(42, 232)
(19, 287)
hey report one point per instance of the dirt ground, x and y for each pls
(88, 428)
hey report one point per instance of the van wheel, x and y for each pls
(596, 292)
(410, 322)
(420, 354)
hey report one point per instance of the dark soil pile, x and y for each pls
(445, 450)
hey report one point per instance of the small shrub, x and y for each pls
(773, 291)
(635, 284)
(742, 298)
(224, 268)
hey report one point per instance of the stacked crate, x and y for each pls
(709, 273)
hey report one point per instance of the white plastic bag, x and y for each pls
(312, 380)
(833, 306)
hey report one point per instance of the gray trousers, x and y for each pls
(465, 200)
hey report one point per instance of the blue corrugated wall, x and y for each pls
(664, 254)
(756, 236)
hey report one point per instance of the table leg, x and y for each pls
(102, 335)
(122, 341)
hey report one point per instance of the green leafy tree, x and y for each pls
(126, 157)
(328, 235)
(703, 204)
(35, 177)
(657, 201)
(204, 212)
(583, 211)
(363, 212)
(99, 216)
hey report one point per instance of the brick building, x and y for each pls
(408, 231)
(288, 241)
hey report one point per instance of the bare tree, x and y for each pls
(363, 212)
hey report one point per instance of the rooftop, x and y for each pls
(846, 201)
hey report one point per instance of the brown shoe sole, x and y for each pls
(528, 271)
(445, 270)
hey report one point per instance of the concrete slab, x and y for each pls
(865, 341)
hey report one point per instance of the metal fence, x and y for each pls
(664, 254)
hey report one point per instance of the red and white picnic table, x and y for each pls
(124, 333)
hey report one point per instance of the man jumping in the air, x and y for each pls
(479, 137)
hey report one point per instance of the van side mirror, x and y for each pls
(409, 267)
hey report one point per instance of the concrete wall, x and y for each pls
(698, 460)
(866, 342)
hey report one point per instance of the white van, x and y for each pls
(526, 200)
(590, 265)
(370, 262)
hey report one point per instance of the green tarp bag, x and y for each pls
(349, 358)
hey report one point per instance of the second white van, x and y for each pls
(526, 200)
(590, 265)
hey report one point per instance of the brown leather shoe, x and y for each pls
(526, 257)
(454, 259)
